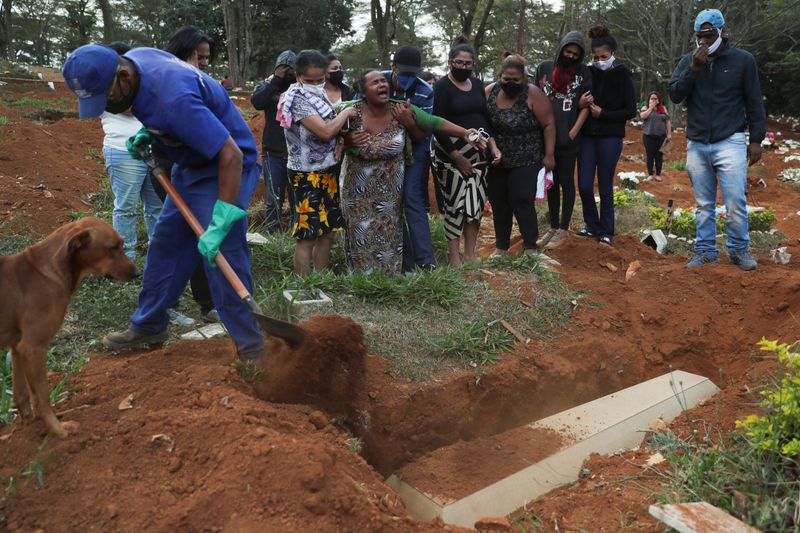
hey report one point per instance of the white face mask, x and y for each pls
(605, 64)
(715, 45)
(316, 90)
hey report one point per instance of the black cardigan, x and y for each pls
(614, 92)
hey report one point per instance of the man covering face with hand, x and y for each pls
(720, 88)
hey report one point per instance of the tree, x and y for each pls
(6, 36)
(239, 38)
(108, 19)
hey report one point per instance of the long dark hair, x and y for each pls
(601, 38)
(185, 41)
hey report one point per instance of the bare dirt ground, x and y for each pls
(199, 449)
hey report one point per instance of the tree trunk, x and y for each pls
(6, 37)
(521, 29)
(380, 16)
(239, 38)
(108, 20)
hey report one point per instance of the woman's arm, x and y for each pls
(327, 130)
(543, 110)
(645, 112)
(669, 129)
(576, 128)
(406, 116)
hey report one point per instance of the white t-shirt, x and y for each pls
(118, 127)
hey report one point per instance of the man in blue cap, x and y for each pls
(192, 119)
(720, 87)
(405, 84)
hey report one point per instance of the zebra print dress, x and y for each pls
(372, 200)
(464, 196)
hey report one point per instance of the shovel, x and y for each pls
(278, 328)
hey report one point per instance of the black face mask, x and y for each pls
(461, 74)
(123, 104)
(512, 89)
(336, 77)
(568, 61)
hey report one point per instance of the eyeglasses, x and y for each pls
(460, 63)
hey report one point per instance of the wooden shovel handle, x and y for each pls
(222, 263)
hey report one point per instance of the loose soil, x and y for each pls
(201, 450)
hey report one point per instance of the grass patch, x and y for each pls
(6, 395)
(754, 475)
(676, 165)
(4, 121)
(476, 344)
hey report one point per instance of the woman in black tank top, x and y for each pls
(521, 118)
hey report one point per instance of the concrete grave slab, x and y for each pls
(606, 425)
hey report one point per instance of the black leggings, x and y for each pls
(512, 192)
(563, 182)
(652, 145)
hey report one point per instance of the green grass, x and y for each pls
(6, 399)
(4, 121)
(676, 165)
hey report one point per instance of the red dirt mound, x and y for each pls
(195, 452)
(324, 370)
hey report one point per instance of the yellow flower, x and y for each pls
(323, 214)
(313, 179)
(304, 207)
(329, 182)
(302, 224)
(297, 179)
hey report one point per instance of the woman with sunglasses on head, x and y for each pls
(522, 120)
(459, 167)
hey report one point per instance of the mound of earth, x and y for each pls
(173, 440)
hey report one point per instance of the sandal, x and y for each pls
(606, 240)
(585, 233)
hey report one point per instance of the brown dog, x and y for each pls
(36, 285)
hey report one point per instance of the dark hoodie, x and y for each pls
(565, 106)
(615, 94)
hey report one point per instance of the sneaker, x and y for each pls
(558, 239)
(498, 253)
(742, 259)
(130, 338)
(585, 233)
(212, 317)
(544, 239)
(701, 259)
(605, 240)
(176, 318)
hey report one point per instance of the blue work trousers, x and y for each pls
(417, 245)
(173, 255)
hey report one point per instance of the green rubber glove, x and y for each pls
(140, 138)
(222, 219)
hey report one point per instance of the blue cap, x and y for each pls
(709, 16)
(89, 71)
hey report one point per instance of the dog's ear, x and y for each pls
(78, 240)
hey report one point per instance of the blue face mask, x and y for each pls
(406, 81)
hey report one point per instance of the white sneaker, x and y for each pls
(177, 318)
(544, 239)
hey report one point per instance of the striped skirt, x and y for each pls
(464, 196)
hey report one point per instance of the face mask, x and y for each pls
(512, 89)
(461, 74)
(336, 77)
(715, 45)
(316, 90)
(406, 81)
(123, 104)
(568, 61)
(604, 64)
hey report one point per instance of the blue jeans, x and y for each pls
(275, 178)
(724, 161)
(173, 256)
(600, 155)
(417, 245)
(129, 182)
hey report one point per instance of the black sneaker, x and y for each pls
(584, 233)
